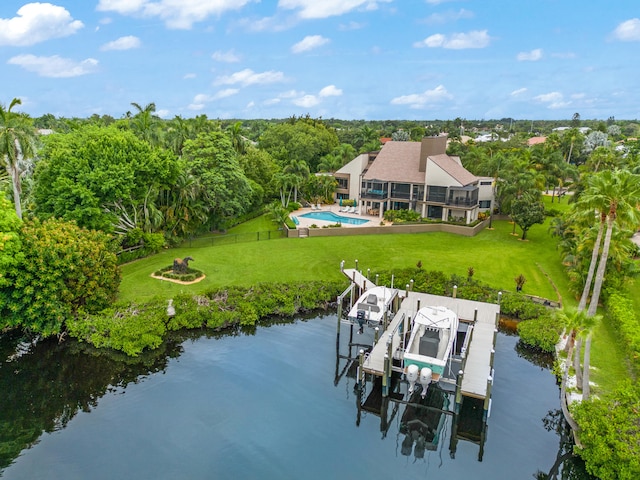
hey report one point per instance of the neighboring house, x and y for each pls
(536, 141)
(418, 176)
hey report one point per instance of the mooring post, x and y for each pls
(487, 399)
(455, 291)
(339, 315)
(342, 266)
(377, 279)
(389, 361)
(475, 315)
(411, 284)
(392, 276)
(458, 403)
(361, 369)
(368, 272)
(499, 297)
(385, 379)
(356, 264)
(407, 291)
(375, 335)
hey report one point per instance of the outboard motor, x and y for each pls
(425, 379)
(412, 377)
(361, 318)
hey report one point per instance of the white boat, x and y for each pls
(372, 306)
(433, 336)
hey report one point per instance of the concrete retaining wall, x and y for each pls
(381, 230)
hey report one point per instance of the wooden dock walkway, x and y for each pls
(482, 318)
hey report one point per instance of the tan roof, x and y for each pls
(397, 162)
(536, 140)
(454, 169)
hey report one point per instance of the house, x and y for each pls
(418, 176)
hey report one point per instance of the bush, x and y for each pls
(134, 328)
(610, 434)
(541, 333)
(621, 313)
(401, 216)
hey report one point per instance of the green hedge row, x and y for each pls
(622, 315)
(134, 328)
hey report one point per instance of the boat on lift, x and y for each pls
(372, 306)
(431, 343)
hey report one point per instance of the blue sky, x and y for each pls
(347, 59)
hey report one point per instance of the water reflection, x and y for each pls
(44, 384)
(191, 420)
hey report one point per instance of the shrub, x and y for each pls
(541, 333)
(610, 434)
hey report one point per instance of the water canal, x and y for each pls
(251, 405)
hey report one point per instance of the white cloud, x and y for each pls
(248, 77)
(628, 31)
(438, 2)
(226, 57)
(330, 91)
(177, 14)
(189, 76)
(309, 43)
(532, 56)
(450, 16)
(196, 106)
(227, 92)
(37, 22)
(306, 101)
(163, 113)
(347, 27)
(202, 98)
(55, 66)
(420, 100)
(553, 99)
(327, 8)
(122, 43)
(456, 41)
(518, 92)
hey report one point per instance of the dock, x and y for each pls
(474, 377)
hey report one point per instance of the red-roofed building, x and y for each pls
(536, 140)
(418, 176)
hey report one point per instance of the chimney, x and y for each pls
(436, 145)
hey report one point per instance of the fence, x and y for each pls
(215, 240)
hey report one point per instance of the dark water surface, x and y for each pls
(257, 406)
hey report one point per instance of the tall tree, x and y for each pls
(17, 145)
(145, 123)
(617, 194)
(226, 190)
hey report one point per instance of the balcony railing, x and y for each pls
(371, 193)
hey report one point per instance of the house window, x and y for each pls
(485, 204)
(485, 182)
(343, 183)
(437, 194)
(434, 212)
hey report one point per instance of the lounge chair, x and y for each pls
(351, 210)
(344, 209)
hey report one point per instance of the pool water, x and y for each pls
(332, 217)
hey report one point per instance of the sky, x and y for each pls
(344, 59)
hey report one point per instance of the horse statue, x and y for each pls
(180, 265)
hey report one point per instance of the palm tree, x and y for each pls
(144, 122)
(17, 145)
(299, 170)
(238, 141)
(617, 195)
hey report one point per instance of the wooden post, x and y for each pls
(411, 284)
(487, 399)
(361, 369)
(392, 276)
(455, 291)
(377, 279)
(475, 315)
(368, 272)
(356, 264)
(385, 379)
(375, 336)
(458, 400)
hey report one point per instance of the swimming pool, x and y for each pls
(332, 217)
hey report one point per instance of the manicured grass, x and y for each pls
(496, 256)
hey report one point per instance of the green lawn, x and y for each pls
(496, 256)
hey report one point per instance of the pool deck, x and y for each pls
(335, 208)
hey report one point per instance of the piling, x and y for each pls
(455, 291)
(361, 369)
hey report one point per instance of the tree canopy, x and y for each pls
(88, 170)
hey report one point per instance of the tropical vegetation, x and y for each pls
(85, 195)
